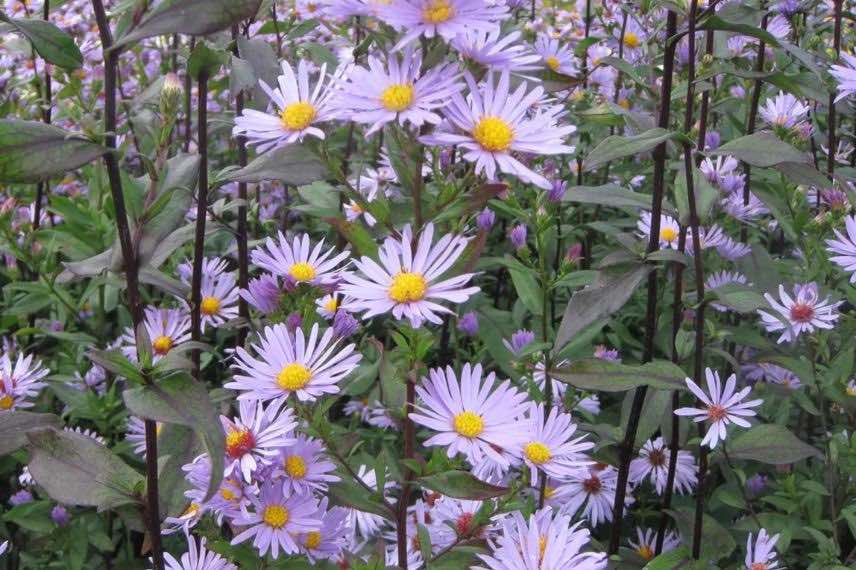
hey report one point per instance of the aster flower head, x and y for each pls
(304, 467)
(444, 18)
(493, 122)
(653, 464)
(670, 230)
(844, 247)
(292, 363)
(551, 446)
(453, 519)
(486, 219)
(721, 278)
(276, 520)
(487, 48)
(219, 300)
(255, 437)
(364, 524)
(297, 261)
(397, 90)
(519, 340)
(845, 76)
(472, 417)
(166, 328)
(20, 381)
(517, 236)
(591, 489)
(327, 542)
(761, 552)
(299, 108)
(603, 352)
(723, 405)
(784, 111)
(344, 324)
(547, 541)
(555, 56)
(469, 323)
(197, 558)
(645, 544)
(407, 281)
(802, 312)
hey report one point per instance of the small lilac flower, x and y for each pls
(711, 140)
(294, 321)
(469, 324)
(60, 515)
(262, 293)
(762, 554)
(756, 484)
(519, 340)
(802, 312)
(605, 353)
(517, 235)
(344, 324)
(845, 75)
(574, 254)
(737, 91)
(486, 219)
(557, 191)
(22, 497)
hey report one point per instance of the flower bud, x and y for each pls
(170, 95)
(517, 235)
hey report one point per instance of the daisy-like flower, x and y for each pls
(762, 554)
(804, 312)
(845, 75)
(219, 300)
(304, 467)
(707, 238)
(784, 111)
(723, 406)
(716, 170)
(20, 380)
(593, 490)
(733, 206)
(844, 247)
(397, 91)
(634, 40)
(603, 352)
(453, 519)
(212, 268)
(519, 340)
(540, 377)
(487, 48)
(406, 282)
(551, 446)
(263, 293)
(670, 230)
(653, 464)
(646, 542)
(444, 18)
(732, 249)
(276, 520)
(327, 542)
(289, 363)
(548, 541)
(299, 262)
(328, 305)
(555, 56)
(720, 278)
(472, 417)
(364, 524)
(165, 327)
(298, 109)
(197, 558)
(255, 437)
(492, 122)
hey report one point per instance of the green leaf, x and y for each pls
(595, 374)
(716, 541)
(205, 59)
(181, 400)
(357, 497)
(14, 425)
(292, 164)
(356, 235)
(772, 444)
(462, 485)
(606, 296)
(35, 516)
(705, 197)
(75, 469)
(617, 146)
(670, 560)
(607, 195)
(716, 22)
(32, 151)
(191, 17)
(117, 363)
(527, 289)
(761, 149)
(54, 45)
(241, 76)
(177, 446)
(738, 297)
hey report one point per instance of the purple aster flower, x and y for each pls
(711, 140)
(20, 381)
(802, 312)
(487, 48)
(344, 324)
(262, 293)
(445, 18)
(603, 352)
(469, 324)
(761, 552)
(22, 497)
(845, 75)
(304, 467)
(197, 558)
(255, 436)
(166, 328)
(756, 484)
(519, 340)
(517, 235)
(557, 191)
(60, 515)
(296, 259)
(732, 249)
(844, 247)
(555, 56)
(486, 219)
(784, 111)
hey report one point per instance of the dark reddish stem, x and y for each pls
(243, 255)
(753, 117)
(201, 214)
(831, 121)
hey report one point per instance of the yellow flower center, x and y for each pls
(331, 305)
(302, 271)
(469, 424)
(210, 306)
(631, 40)
(293, 377)
(275, 516)
(537, 452)
(759, 566)
(552, 62)
(228, 494)
(298, 116)
(397, 97)
(493, 134)
(668, 234)
(549, 492)
(437, 12)
(408, 287)
(191, 510)
(645, 551)
(295, 467)
(313, 540)
(542, 546)
(624, 104)
(6, 402)
(158, 429)
(239, 443)
(162, 344)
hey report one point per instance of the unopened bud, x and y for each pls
(171, 92)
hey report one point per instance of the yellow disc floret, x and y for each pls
(6, 402)
(552, 62)
(298, 116)
(493, 134)
(631, 40)
(295, 467)
(293, 377)
(668, 234)
(469, 424)
(275, 516)
(210, 306)
(437, 12)
(537, 452)
(162, 344)
(302, 271)
(313, 540)
(397, 97)
(408, 287)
